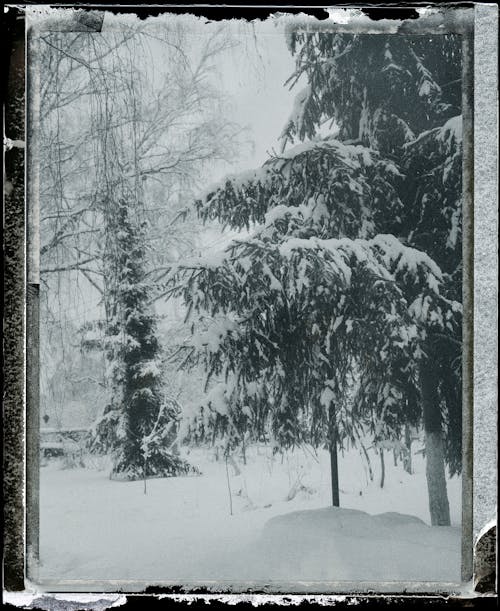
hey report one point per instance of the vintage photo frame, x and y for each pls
(477, 24)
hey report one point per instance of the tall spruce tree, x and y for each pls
(342, 310)
(402, 96)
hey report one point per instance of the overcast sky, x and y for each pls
(254, 74)
(251, 73)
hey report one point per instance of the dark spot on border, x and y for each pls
(378, 13)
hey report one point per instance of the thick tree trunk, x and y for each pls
(436, 480)
(434, 450)
(334, 469)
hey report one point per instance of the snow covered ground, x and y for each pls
(181, 530)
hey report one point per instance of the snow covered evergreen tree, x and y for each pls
(139, 425)
(402, 96)
(342, 309)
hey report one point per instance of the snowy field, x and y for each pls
(281, 527)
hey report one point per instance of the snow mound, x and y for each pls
(353, 522)
(337, 544)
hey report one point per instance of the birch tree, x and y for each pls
(125, 148)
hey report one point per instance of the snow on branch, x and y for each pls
(329, 181)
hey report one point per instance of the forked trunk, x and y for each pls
(434, 448)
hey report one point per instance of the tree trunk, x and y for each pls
(335, 473)
(333, 460)
(244, 451)
(382, 467)
(407, 455)
(434, 451)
